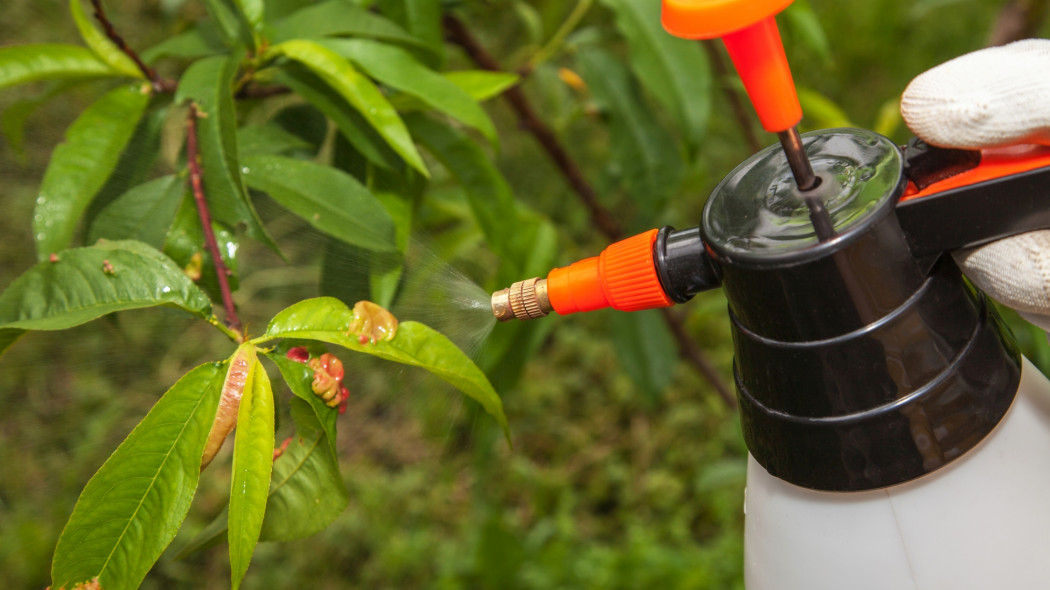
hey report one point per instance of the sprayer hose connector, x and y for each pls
(524, 300)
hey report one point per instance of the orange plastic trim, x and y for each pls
(758, 55)
(623, 277)
(708, 19)
(995, 163)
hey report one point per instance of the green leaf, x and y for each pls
(28, 63)
(268, 140)
(821, 111)
(330, 200)
(252, 465)
(209, 84)
(489, 194)
(888, 119)
(357, 90)
(105, 49)
(510, 232)
(421, 18)
(307, 492)
(398, 69)
(254, 11)
(135, 503)
(77, 288)
(337, 18)
(15, 116)
(185, 241)
(230, 22)
(642, 151)
(646, 350)
(327, 320)
(199, 41)
(804, 24)
(675, 71)
(80, 166)
(9, 337)
(305, 122)
(144, 213)
(135, 165)
(482, 85)
(385, 274)
(352, 125)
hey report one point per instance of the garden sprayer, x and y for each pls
(897, 437)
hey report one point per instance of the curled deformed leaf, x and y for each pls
(372, 323)
(238, 378)
(329, 320)
(252, 467)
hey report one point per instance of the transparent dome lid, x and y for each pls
(758, 210)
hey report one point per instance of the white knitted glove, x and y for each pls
(993, 97)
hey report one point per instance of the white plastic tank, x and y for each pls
(981, 522)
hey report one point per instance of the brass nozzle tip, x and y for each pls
(523, 300)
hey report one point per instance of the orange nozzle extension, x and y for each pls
(750, 34)
(623, 277)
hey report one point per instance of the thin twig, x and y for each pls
(458, 34)
(556, 40)
(159, 84)
(689, 351)
(1018, 19)
(743, 119)
(196, 182)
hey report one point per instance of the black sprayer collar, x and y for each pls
(857, 364)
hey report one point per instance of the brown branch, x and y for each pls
(221, 273)
(743, 119)
(457, 33)
(689, 351)
(1018, 19)
(159, 84)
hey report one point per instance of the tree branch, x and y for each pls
(196, 182)
(457, 33)
(159, 84)
(1018, 19)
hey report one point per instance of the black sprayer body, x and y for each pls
(857, 365)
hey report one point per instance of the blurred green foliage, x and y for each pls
(610, 485)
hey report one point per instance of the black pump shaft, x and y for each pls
(806, 180)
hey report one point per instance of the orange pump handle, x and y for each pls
(995, 163)
(623, 277)
(750, 34)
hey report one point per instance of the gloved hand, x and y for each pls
(993, 97)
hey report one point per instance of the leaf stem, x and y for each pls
(235, 336)
(556, 40)
(159, 84)
(196, 182)
(458, 33)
